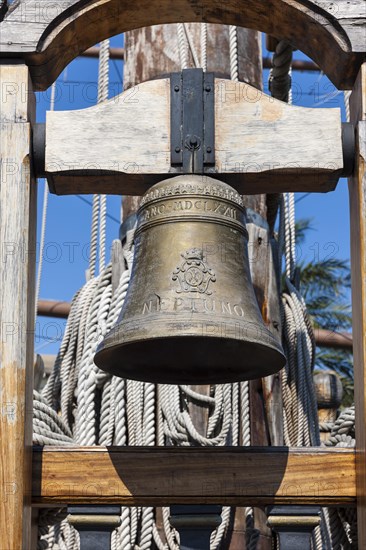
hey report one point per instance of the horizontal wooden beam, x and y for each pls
(53, 308)
(262, 145)
(331, 339)
(114, 53)
(159, 476)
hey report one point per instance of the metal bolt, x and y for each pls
(177, 149)
(176, 88)
(208, 88)
(193, 141)
(208, 149)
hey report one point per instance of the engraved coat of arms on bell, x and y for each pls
(193, 274)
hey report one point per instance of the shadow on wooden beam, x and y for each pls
(160, 476)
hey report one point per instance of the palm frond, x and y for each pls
(302, 226)
(325, 286)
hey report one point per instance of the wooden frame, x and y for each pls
(160, 476)
(49, 36)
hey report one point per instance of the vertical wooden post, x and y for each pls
(17, 241)
(357, 190)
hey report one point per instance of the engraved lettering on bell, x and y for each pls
(193, 274)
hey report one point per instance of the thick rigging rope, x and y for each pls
(280, 74)
(182, 46)
(204, 46)
(103, 87)
(99, 209)
(233, 49)
(347, 96)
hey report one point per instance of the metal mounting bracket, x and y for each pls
(192, 115)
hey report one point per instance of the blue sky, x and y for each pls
(65, 256)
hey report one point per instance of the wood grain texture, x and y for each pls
(357, 189)
(161, 476)
(48, 36)
(17, 237)
(262, 145)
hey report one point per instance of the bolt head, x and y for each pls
(208, 149)
(177, 149)
(176, 88)
(208, 88)
(193, 140)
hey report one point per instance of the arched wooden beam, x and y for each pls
(49, 35)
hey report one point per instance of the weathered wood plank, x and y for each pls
(49, 36)
(17, 237)
(263, 145)
(357, 189)
(161, 476)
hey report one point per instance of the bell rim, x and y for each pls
(166, 372)
(225, 370)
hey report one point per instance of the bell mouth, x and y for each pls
(191, 360)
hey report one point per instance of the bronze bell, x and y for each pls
(190, 313)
